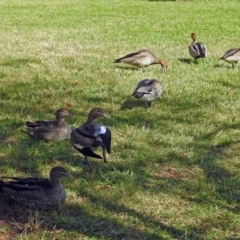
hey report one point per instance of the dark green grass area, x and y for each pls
(174, 170)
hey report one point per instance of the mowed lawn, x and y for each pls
(174, 171)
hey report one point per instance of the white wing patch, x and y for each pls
(78, 146)
(100, 130)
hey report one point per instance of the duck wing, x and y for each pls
(143, 87)
(106, 139)
(230, 53)
(96, 135)
(145, 83)
(131, 57)
(22, 192)
(198, 50)
(41, 127)
(40, 123)
(82, 141)
(30, 181)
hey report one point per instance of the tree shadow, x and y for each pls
(93, 225)
(228, 84)
(18, 62)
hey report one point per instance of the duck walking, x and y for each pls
(141, 59)
(36, 192)
(197, 49)
(148, 90)
(90, 136)
(232, 56)
(51, 130)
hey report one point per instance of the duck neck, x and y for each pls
(55, 182)
(60, 120)
(90, 120)
(157, 61)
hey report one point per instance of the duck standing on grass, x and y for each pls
(51, 130)
(141, 59)
(90, 136)
(36, 192)
(232, 56)
(197, 50)
(148, 90)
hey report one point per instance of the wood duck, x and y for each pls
(142, 58)
(232, 56)
(148, 90)
(36, 192)
(90, 136)
(197, 50)
(51, 130)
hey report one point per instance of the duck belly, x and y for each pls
(143, 62)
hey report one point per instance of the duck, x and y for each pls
(232, 56)
(148, 90)
(90, 136)
(197, 49)
(51, 130)
(141, 59)
(36, 192)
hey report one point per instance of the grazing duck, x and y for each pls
(51, 130)
(197, 50)
(142, 58)
(232, 56)
(148, 90)
(88, 137)
(36, 192)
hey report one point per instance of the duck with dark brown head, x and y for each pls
(197, 49)
(148, 90)
(91, 135)
(141, 59)
(51, 130)
(36, 192)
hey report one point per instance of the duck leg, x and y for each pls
(146, 105)
(86, 161)
(150, 105)
(104, 155)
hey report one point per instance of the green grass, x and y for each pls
(174, 171)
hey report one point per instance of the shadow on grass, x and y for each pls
(218, 65)
(124, 67)
(187, 61)
(28, 154)
(78, 219)
(228, 84)
(18, 62)
(132, 103)
(82, 220)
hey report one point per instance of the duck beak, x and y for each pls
(106, 115)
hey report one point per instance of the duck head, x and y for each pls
(62, 113)
(59, 172)
(193, 36)
(97, 112)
